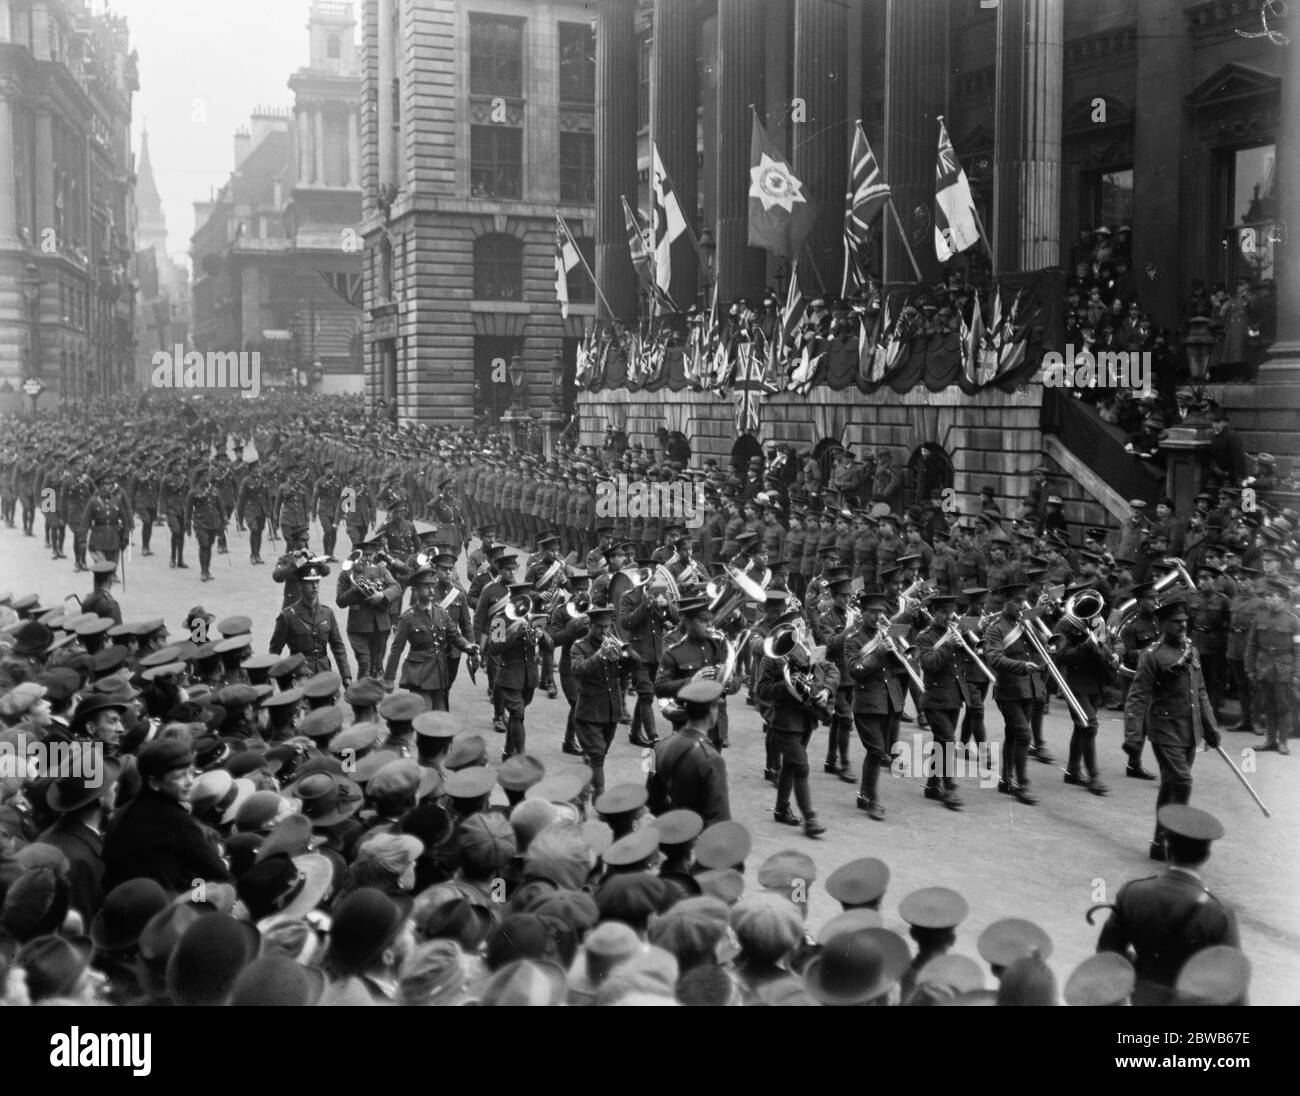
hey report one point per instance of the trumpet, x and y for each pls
(612, 649)
(954, 635)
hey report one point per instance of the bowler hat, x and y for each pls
(363, 925)
(856, 967)
(208, 959)
(127, 908)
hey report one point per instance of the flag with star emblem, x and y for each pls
(780, 214)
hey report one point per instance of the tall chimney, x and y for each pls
(243, 145)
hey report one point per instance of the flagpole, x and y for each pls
(583, 259)
(984, 236)
(902, 236)
(816, 273)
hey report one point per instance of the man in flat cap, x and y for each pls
(1161, 921)
(1168, 703)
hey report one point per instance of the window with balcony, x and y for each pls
(498, 268)
(577, 167)
(496, 162)
(496, 56)
(577, 64)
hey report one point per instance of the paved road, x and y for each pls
(1048, 863)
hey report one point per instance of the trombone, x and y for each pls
(1035, 640)
(953, 634)
(885, 634)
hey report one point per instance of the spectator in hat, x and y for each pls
(370, 937)
(58, 969)
(385, 862)
(768, 928)
(83, 802)
(154, 836)
(1272, 666)
(1227, 454)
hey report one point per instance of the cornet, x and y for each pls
(612, 649)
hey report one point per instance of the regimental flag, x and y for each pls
(972, 341)
(955, 227)
(567, 256)
(666, 220)
(641, 247)
(780, 214)
(866, 197)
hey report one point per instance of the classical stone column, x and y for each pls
(616, 91)
(354, 149)
(1164, 75)
(44, 176)
(318, 144)
(1286, 255)
(916, 87)
(1026, 229)
(741, 269)
(304, 147)
(822, 132)
(8, 190)
(673, 126)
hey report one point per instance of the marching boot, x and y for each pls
(1270, 740)
(782, 813)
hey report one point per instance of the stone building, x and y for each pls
(66, 210)
(478, 123)
(163, 299)
(277, 251)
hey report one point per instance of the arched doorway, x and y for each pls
(929, 468)
(746, 447)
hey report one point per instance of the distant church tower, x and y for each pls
(150, 227)
(327, 95)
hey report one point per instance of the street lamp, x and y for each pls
(1199, 343)
(518, 382)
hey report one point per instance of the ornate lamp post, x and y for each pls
(553, 419)
(1199, 344)
(32, 296)
(1186, 445)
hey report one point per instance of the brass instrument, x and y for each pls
(800, 684)
(953, 634)
(890, 635)
(671, 708)
(727, 597)
(693, 574)
(1082, 611)
(1040, 647)
(662, 577)
(1124, 613)
(577, 606)
(365, 584)
(612, 649)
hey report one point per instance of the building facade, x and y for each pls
(277, 251)
(1176, 119)
(67, 233)
(478, 125)
(162, 315)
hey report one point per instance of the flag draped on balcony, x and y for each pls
(567, 257)
(955, 227)
(780, 214)
(666, 220)
(868, 192)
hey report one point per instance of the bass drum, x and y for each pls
(619, 585)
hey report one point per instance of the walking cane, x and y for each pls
(124, 556)
(1245, 783)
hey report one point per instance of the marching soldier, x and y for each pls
(100, 600)
(369, 592)
(941, 699)
(974, 685)
(145, 486)
(1211, 614)
(106, 520)
(699, 655)
(830, 628)
(326, 499)
(688, 774)
(225, 488)
(26, 473)
(1139, 633)
(490, 596)
(309, 628)
(173, 494)
(516, 645)
(599, 660)
(545, 575)
(1020, 681)
(565, 629)
(643, 613)
(449, 516)
(290, 507)
(358, 506)
(1161, 921)
(204, 518)
(1167, 703)
(1272, 667)
(452, 600)
(253, 508)
(1089, 666)
(793, 720)
(432, 636)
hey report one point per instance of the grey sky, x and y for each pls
(204, 68)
